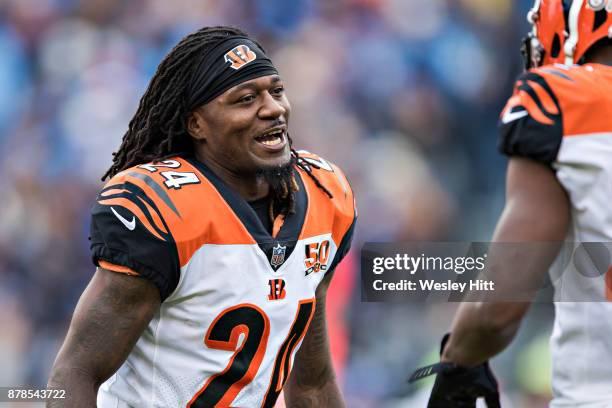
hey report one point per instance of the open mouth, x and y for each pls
(273, 138)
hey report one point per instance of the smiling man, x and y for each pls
(215, 243)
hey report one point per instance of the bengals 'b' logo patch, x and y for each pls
(277, 289)
(239, 56)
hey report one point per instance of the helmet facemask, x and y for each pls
(548, 20)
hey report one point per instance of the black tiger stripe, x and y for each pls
(540, 80)
(135, 194)
(601, 16)
(528, 137)
(161, 193)
(136, 201)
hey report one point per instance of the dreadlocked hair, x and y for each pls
(283, 185)
(307, 167)
(158, 129)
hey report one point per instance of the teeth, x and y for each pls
(273, 132)
(272, 142)
(271, 138)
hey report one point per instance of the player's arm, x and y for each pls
(313, 382)
(537, 210)
(109, 318)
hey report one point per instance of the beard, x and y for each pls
(280, 177)
(281, 180)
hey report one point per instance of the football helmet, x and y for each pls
(563, 30)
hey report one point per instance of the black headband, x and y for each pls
(234, 60)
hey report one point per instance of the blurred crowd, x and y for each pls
(404, 95)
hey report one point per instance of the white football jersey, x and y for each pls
(562, 116)
(236, 299)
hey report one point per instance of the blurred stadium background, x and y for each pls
(402, 94)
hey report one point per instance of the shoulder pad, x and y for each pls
(531, 123)
(330, 176)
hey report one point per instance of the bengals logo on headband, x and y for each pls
(239, 56)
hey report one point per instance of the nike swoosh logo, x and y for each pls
(129, 224)
(511, 116)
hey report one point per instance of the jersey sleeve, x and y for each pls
(128, 231)
(531, 123)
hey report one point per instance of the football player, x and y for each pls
(557, 130)
(215, 243)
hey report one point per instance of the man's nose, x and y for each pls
(271, 108)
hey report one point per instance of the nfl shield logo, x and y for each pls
(278, 255)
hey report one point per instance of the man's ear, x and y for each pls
(196, 126)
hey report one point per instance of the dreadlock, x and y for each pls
(158, 129)
(283, 185)
(307, 167)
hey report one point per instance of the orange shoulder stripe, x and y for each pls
(156, 220)
(547, 102)
(117, 268)
(584, 95)
(124, 202)
(534, 110)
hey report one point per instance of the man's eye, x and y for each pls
(246, 98)
(278, 90)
